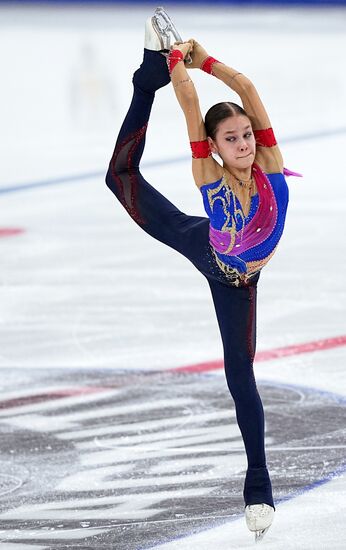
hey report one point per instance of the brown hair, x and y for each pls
(218, 113)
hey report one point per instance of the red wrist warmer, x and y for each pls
(207, 65)
(174, 57)
(265, 138)
(200, 149)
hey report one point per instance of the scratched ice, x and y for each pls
(103, 445)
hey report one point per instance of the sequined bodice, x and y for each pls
(224, 207)
(243, 244)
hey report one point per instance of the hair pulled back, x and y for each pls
(218, 113)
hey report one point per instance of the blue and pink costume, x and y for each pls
(227, 251)
(242, 245)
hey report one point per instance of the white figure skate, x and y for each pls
(259, 518)
(161, 33)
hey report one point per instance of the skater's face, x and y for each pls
(235, 142)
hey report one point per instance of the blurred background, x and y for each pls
(76, 274)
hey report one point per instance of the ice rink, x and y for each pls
(117, 428)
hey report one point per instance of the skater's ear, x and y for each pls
(213, 146)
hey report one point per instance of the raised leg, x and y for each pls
(189, 235)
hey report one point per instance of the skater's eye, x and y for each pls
(231, 138)
(248, 134)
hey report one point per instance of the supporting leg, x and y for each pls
(236, 313)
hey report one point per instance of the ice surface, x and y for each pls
(81, 311)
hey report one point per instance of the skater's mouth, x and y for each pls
(246, 156)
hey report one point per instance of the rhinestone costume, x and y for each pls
(242, 245)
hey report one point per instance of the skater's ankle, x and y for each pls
(152, 74)
(141, 90)
(254, 502)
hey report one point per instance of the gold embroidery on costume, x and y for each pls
(237, 278)
(257, 265)
(226, 203)
(232, 274)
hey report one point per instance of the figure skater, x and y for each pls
(245, 197)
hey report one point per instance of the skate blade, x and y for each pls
(260, 534)
(164, 27)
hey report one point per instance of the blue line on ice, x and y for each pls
(332, 475)
(152, 164)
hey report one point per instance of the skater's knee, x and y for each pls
(118, 166)
(109, 179)
(241, 381)
(127, 154)
(239, 393)
(120, 174)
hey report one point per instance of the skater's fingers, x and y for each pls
(193, 43)
(183, 44)
(184, 47)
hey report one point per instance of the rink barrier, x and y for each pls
(236, 3)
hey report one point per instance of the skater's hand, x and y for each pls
(198, 54)
(184, 47)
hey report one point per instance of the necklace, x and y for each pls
(246, 184)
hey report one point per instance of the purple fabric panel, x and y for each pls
(288, 173)
(259, 228)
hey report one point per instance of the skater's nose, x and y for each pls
(243, 146)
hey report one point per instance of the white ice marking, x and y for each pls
(119, 454)
(69, 420)
(174, 439)
(111, 513)
(217, 465)
(15, 546)
(106, 457)
(95, 480)
(58, 534)
(146, 425)
(99, 478)
(38, 423)
(121, 507)
(59, 402)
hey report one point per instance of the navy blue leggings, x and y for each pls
(189, 235)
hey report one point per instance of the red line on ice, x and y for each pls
(276, 353)
(10, 231)
(33, 398)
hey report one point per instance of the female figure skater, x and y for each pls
(245, 198)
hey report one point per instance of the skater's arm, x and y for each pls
(205, 170)
(268, 154)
